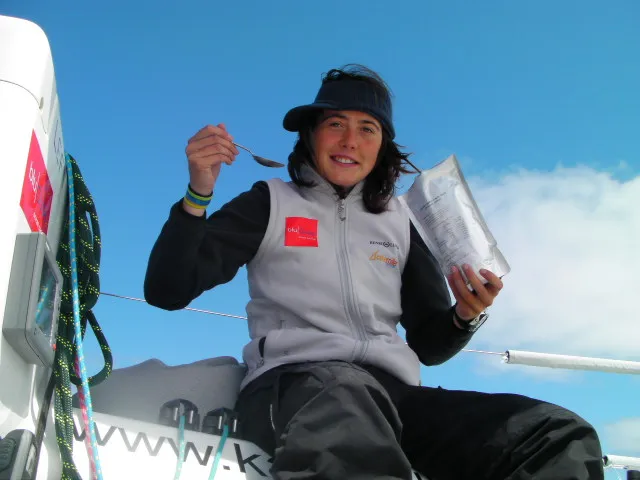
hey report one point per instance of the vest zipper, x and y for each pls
(342, 213)
(351, 310)
(261, 350)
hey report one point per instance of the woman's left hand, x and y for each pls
(471, 303)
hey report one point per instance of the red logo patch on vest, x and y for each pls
(301, 232)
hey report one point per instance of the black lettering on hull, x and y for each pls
(154, 451)
(247, 461)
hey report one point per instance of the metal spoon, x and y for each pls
(261, 160)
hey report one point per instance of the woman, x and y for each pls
(333, 266)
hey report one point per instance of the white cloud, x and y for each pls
(623, 437)
(572, 238)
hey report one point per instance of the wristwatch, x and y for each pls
(472, 325)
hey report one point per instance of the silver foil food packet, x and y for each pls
(446, 216)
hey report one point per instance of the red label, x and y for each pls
(301, 232)
(37, 193)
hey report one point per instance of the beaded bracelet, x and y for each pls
(195, 200)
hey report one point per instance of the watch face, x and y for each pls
(477, 322)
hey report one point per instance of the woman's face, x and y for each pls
(346, 146)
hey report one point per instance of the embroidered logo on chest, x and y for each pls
(301, 232)
(390, 261)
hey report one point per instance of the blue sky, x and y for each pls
(535, 98)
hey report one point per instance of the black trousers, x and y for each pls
(335, 420)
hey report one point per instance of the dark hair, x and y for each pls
(380, 184)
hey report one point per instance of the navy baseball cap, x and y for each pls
(345, 94)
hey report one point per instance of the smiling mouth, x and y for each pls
(345, 161)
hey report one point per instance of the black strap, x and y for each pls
(43, 416)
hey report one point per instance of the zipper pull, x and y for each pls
(342, 210)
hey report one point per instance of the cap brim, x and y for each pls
(295, 117)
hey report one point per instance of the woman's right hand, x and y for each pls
(206, 151)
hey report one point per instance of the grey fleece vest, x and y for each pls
(325, 282)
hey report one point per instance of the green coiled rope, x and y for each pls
(88, 250)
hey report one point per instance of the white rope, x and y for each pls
(618, 461)
(551, 360)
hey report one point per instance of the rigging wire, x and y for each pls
(229, 315)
